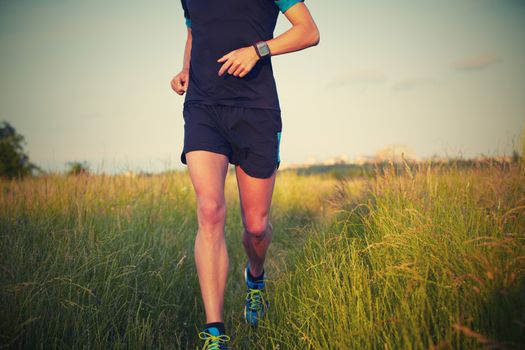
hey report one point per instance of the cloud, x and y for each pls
(476, 63)
(414, 83)
(359, 77)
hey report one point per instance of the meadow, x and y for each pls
(422, 256)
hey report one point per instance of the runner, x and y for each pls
(232, 115)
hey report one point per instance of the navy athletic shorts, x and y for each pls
(249, 137)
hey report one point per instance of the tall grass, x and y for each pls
(433, 258)
(430, 258)
(107, 261)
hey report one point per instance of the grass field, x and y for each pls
(432, 257)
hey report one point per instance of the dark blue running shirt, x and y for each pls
(221, 26)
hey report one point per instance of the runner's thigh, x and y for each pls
(208, 173)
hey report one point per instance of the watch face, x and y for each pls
(263, 49)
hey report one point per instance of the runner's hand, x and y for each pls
(239, 62)
(180, 82)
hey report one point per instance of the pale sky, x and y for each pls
(89, 80)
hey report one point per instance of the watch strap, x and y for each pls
(257, 50)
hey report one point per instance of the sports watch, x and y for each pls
(262, 49)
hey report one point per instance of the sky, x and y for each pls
(89, 80)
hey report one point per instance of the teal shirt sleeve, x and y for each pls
(286, 4)
(187, 16)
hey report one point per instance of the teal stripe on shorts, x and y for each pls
(278, 146)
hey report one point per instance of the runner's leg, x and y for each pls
(255, 196)
(208, 173)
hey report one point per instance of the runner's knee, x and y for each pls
(257, 226)
(211, 212)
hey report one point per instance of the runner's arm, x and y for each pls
(303, 33)
(187, 51)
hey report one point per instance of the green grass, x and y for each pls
(431, 258)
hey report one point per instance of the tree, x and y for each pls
(78, 168)
(14, 163)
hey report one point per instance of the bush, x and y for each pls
(78, 168)
(14, 163)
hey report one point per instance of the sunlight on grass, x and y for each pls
(436, 260)
(432, 257)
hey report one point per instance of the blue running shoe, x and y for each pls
(213, 339)
(256, 303)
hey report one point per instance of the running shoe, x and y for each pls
(213, 339)
(256, 303)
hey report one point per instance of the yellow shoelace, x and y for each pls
(213, 341)
(256, 299)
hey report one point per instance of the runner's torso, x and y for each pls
(219, 27)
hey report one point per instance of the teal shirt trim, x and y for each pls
(279, 146)
(286, 4)
(188, 22)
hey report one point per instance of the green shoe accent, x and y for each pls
(213, 339)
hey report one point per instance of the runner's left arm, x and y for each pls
(303, 33)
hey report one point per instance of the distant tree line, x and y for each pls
(15, 163)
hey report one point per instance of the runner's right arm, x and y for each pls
(187, 49)
(180, 82)
(187, 18)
